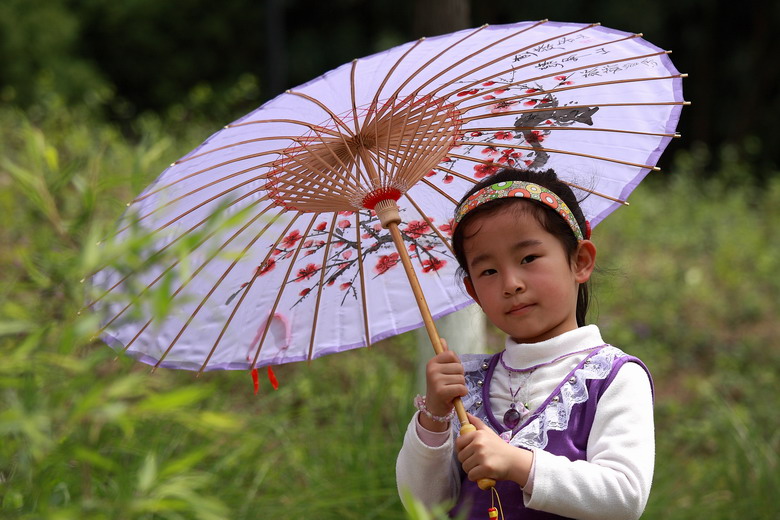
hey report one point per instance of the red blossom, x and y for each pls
(489, 97)
(532, 91)
(561, 78)
(475, 134)
(309, 252)
(530, 102)
(346, 213)
(386, 262)
(345, 286)
(504, 135)
(447, 228)
(266, 267)
(468, 92)
(483, 170)
(447, 179)
(489, 150)
(365, 236)
(434, 264)
(346, 255)
(321, 226)
(277, 252)
(304, 292)
(307, 272)
(500, 90)
(431, 173)
(417, 228)
(412, 247)
(502, 106)
(343, 224)
(488, 83)
(292, 239)
(308, 243)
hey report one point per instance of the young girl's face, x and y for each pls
(521, 275)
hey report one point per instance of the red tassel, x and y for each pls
(255, 380)
(492, 513)
(272, 378)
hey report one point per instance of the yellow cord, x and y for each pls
(492, 513)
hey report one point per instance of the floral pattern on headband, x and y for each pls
(520, 189)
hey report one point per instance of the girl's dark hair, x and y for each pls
(547, 217)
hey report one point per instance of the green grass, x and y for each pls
(688, 283)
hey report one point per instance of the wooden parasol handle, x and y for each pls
(430, 326)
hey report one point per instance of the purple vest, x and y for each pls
(561, 425)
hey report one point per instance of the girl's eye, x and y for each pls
(488, 272)
(528, 259)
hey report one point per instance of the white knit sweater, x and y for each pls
(613, 483)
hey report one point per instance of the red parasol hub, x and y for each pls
(378, 195)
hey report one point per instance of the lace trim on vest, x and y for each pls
(554, 415)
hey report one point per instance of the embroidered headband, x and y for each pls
(525, 190)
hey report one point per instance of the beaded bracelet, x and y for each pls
(419, 403)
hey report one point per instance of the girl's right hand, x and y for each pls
(445, 381)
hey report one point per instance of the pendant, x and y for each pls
(512, 417)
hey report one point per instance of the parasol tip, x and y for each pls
(684, 75)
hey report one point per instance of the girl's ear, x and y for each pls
(584, 261)
(470, 289)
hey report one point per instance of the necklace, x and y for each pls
(531, 369)
(513, 416)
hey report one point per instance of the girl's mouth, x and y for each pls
(521, 309)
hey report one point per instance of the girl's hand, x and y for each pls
(483, 454)
(445, 381)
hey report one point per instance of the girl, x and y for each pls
(564, 421)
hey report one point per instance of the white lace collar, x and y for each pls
(524, 355)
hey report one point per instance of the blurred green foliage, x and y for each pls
(688, 283)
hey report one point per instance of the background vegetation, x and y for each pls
(689, 272)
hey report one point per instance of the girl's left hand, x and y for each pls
(483, 454)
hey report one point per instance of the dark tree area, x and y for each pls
(148, 55)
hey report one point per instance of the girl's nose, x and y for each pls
(513, 285)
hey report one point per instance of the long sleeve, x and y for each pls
(614, 482)
(428, 473)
